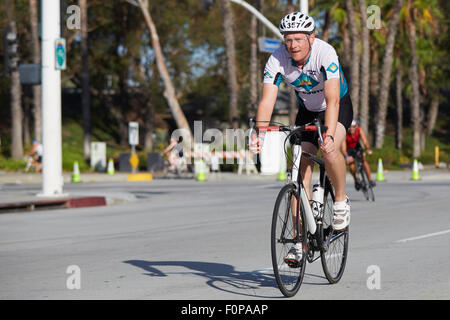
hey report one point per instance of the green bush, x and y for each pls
(9, 164)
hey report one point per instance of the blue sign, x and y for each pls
(268, 45)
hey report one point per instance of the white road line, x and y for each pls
(424, 236)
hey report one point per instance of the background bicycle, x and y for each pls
(363, 182)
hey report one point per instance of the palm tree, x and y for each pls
(399, 103)
(293, 102)
(385, 74)
(365, 68)
(228, 35)
(254, 61)
(355, 57)
(36, 48)
(16, 90)
(85, 94)
(414, 77)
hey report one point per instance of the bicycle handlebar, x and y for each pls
(316, 125)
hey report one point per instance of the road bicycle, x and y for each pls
(296, 219)
(363, 177)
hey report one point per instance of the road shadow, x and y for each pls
(223, 277)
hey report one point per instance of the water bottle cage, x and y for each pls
(316, 208)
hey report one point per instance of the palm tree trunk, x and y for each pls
(365, 69)
(169, 92)
(327, 24)
(346, 43)
(355, 57)
(433, 112)
(228, 34)
(36, 48)
(148, 126)
(292, 97)
(16, 90)
(254, 63)
(85, 94)
(386, 74)
(399, 99)
(414, 77)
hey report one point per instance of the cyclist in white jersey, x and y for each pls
(311, 67)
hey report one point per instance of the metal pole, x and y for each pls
(52, 181)
(304, 6)
(260, 17)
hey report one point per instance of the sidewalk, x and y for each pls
(22, 199)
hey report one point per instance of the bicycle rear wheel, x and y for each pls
(334, 255)
(283, 237)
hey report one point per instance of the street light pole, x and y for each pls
(304, 6)
(260, 17)
(52, 181)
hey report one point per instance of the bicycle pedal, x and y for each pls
(292, 263)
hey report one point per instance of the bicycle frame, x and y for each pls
(297, 179)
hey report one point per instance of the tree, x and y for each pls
(169, 92)
(228, 35)
(254, 62)
(385, 75)
(365, 68)
(399, 104)
(293, 102)
(16, 90)
(414, 77)
(36, 48)
(85, 93)
(355, 57)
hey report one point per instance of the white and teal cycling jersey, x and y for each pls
(308, 82)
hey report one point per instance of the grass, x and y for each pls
(394, 158)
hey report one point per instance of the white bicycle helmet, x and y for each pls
(297, 22)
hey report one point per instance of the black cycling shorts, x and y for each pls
(354, 151)
(304, 116)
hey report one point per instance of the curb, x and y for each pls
(46, 204)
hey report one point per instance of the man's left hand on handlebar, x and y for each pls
(256, 142)
(328, 145)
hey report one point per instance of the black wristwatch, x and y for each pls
(332, 138)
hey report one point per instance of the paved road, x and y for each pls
(182, 239)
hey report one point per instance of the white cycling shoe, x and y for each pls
(341, 217)
(294, 255)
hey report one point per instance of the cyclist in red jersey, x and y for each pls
(351, 147)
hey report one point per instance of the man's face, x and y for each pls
(352, 130)
(298, 46)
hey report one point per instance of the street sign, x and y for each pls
(133, 133)
(60, 54)
(30, 73)
(268, 45)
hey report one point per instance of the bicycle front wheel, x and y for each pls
(370, 193)
(287, 230)
(334, 253)
(363, 180)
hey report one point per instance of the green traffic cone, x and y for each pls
(76, 177)
(380, 171)
(110, 169)
(415, 171)
(201, 174)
